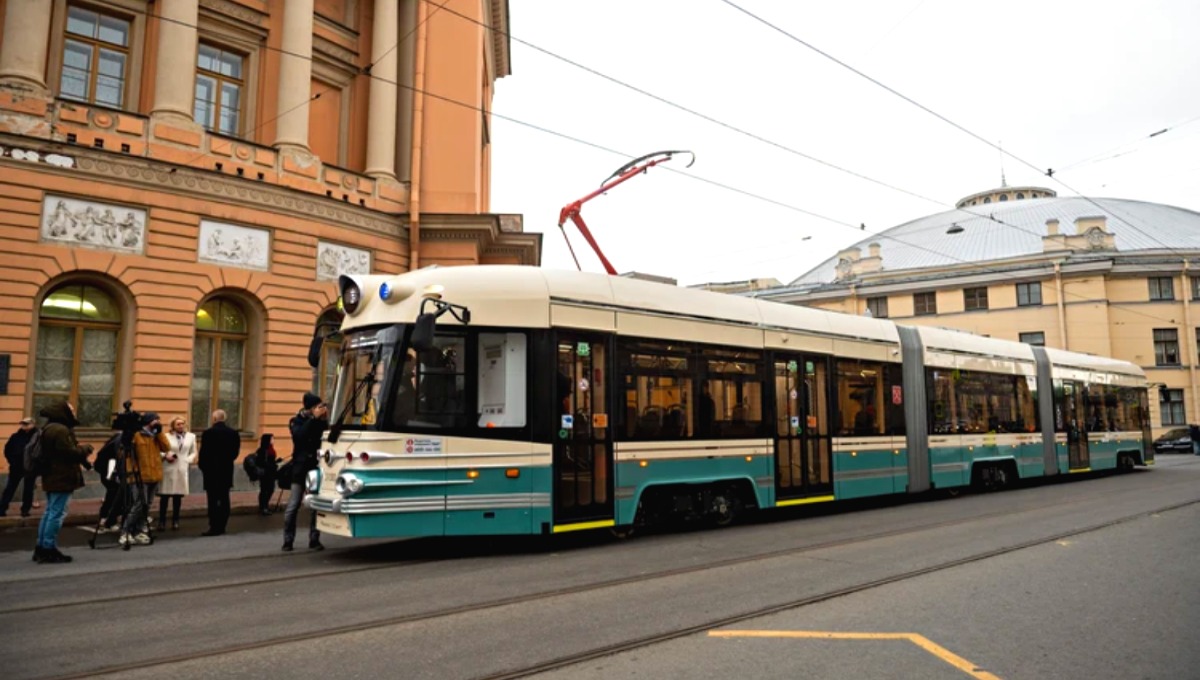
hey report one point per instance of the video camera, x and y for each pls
(128, 422)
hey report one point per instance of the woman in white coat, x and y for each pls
(175, 471)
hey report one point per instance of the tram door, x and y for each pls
(583, 460)
(802, 440)
(1076, 424)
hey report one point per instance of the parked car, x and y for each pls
(1178, 440)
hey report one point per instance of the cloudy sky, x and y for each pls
(1071, 85)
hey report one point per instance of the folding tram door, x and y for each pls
(583, 450)
(803, 444)
(1076, 424)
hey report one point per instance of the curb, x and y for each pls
(91, 517)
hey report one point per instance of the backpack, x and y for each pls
(35, 462)
(250, 465)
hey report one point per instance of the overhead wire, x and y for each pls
(1046, 172)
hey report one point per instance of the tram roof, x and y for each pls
(507, 295)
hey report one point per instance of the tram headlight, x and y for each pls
(347, 484)
(351, 294)
(313, 481)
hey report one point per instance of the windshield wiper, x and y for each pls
(365, 382)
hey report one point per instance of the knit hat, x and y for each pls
(311, 400)
(149, 417)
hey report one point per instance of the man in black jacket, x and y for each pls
(14, 453)
(219, 449)
(307, 428)
(61, 475)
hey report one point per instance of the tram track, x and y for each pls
(343, 571)
(648, 640)
(340, 572)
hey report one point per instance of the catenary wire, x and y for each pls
(1047, 172)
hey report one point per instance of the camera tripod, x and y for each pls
(131, 504)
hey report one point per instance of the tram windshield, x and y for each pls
(363, 376)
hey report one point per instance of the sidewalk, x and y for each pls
(83, 511)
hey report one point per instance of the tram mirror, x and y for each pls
(422, 335)
(314, 348)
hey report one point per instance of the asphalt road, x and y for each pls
(1092, 578)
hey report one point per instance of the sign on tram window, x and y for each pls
(793, 366)
(583, 349)
(599, 420)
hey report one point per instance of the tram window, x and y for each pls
(860, 397)
(658, 391)
(943, 409)
(973, 402)
(658, 407)
(730, 401)
(1027, 409)
(441, 383)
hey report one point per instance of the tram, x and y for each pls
(494, 400)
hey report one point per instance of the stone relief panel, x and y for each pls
(334, 260)
(230, 244)
(94, 224)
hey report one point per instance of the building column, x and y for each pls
(295, 74)
(381, 117)
(25, 44)
(175, 70)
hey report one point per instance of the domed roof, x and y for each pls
(999, 231)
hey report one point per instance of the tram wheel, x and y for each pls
(725, 508)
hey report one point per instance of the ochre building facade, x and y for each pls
(181, 181)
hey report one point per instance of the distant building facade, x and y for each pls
(182, 180)
(1105, 276)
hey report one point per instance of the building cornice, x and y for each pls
(501, 44)
(147, 173)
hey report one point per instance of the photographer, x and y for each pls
(307, 428)
(59, 464)
(149, 444)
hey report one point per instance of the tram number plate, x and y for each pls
(334, 524)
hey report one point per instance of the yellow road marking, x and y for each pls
(584, 525)
(803, 501)
(919, 640)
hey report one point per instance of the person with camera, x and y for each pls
(14, 453)
(307, 428)
(59, 463)
(149, 445)
(175, 472)
(219, 449)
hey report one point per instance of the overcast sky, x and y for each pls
(1055, 83)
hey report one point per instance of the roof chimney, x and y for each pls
(1052, 227)
(873, 249)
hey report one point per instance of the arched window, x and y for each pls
(1003, 197)
(1020, 196)
(77, 350)
(325, 378)
(988, 199)
(219, 362)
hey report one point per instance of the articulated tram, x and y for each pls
(517, 400)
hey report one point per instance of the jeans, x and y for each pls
(218, 510)
(52, 521)
(289, 517)
(15, 476)
(139, 511)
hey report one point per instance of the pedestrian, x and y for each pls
(14, 453)
(307, 427)
(268, 466)
(149, 445)
(63, 457)
(110, 476)
(219, 449)
(175, 471)
(1194, 431)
